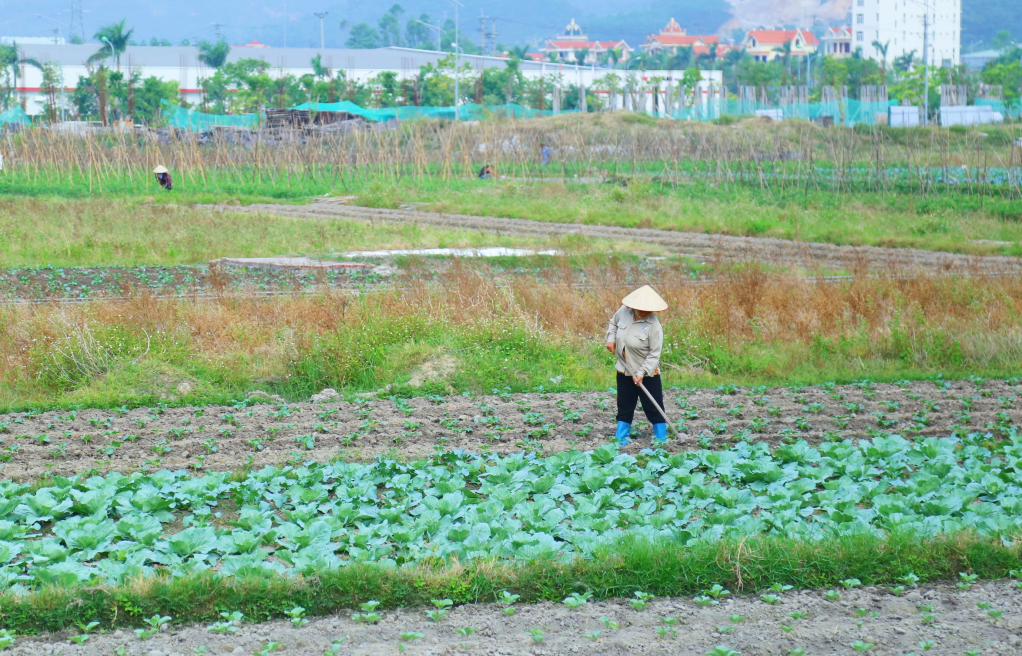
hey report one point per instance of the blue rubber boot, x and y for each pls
(659, 433)
(624, 430)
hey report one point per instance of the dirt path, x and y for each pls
(894, 625)
(810, 255)
(222, 438)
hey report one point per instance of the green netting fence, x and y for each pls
(847, 112)
(1007, 111)
(844, 112)
(467, 112)
(15, 115)
(189, 119)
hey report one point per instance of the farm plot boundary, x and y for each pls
(661, 568)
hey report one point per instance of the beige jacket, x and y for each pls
(638, 342)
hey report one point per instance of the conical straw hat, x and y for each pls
(160, 169)
(645, 300)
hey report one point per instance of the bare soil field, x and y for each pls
(268, 431)
(939, 620)
(810, 255)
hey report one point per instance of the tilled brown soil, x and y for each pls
(893, 625)
(224, 438)
(811, 255)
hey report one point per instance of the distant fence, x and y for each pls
(845, 111)
(841, 112)
(189, 119)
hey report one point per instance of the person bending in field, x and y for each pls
(486, 172)
(163, 176)
(635, 336)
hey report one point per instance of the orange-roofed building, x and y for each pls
(568, 46)
(674, 37)
(252, 44)
(767, 45)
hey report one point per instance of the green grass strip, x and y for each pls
(660, 568)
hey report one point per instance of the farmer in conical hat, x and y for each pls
(635, 336)
(163, 176)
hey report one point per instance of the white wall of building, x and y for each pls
(180, 64)
(900, 23)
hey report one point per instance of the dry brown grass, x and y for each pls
(926, 322)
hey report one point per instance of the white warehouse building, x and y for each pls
(181, 64)
(904, 25)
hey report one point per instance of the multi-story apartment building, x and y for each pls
(900, 26)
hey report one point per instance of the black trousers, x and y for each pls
(628, 393)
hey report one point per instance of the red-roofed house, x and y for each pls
(252, 44)
(673, 37)
(566, 47)
(837, 42)
(767, 45)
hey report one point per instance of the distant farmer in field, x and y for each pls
(163, 176)
(544, 151)
(486, 172)
(635, 336)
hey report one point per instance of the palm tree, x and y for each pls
(581, 54)
(11, 60)
(614, 56)
(519, 51)
(882, 49)
(114, 37)
(213, 55)
(682, 58)
(904, 62)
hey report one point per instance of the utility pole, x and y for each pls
(457, 59)
(76, 15)
(321, 15)
(487, 36)
(926, 63)
(218, 30)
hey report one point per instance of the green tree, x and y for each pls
(882, 49)
(389, 93)
(1009, 76)
(11, 61)
(905, 61)
(759, 74)
(835, 71)
(1002, 40)
(149, 97)
(689, 82)
(112, 35)
(213, 55)
(363, 35)
(417, 34)
(390, 26)
(467, 45)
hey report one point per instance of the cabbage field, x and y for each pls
(320, 517)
